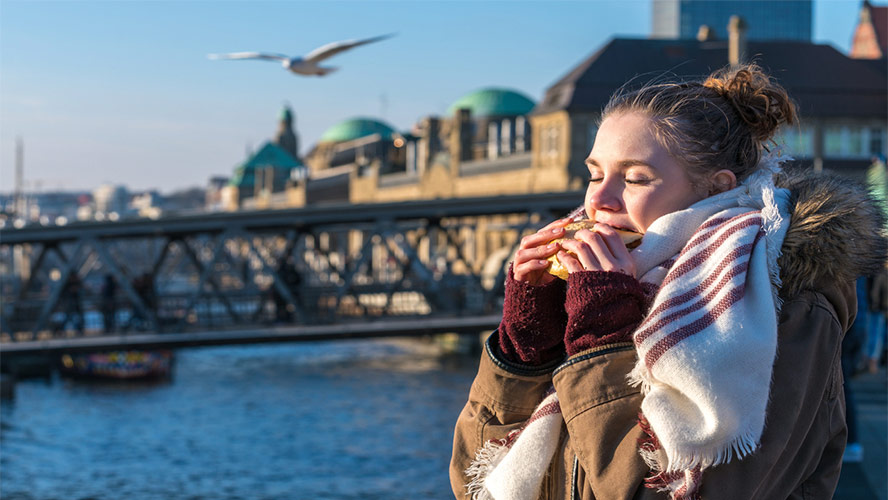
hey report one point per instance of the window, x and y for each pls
(797, 142)
(493, 140)
(832, 141)
(552, 149)
(851, 141)
(506, 133)
(876, 141)
(855, 142)
(520, 134)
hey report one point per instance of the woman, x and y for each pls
(705, 362)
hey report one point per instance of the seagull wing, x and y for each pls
(331, 49)
(249, 55)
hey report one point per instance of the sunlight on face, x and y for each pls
(633, 179)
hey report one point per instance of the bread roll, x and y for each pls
(630, 238)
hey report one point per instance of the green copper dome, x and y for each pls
(356, 128)
(493, 102)
(268, 156)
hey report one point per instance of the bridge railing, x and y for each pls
(316, 265)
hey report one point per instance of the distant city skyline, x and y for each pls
(123, 93)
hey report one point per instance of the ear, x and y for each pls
(721, 181)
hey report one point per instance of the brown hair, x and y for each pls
(723, 122)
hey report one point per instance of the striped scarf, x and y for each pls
(705, 349)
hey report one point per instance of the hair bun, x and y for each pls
(759, 101)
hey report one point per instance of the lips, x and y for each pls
(620, 227)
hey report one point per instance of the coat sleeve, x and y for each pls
(503, 396)
(601, 412)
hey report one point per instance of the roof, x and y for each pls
(823, 81)
(356, 128)
(879, 16)
(493, 102)
(269, 155)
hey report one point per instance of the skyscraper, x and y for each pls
(767, 19)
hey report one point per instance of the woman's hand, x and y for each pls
(530, 261)
(599, 250)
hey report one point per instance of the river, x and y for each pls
(334, 420)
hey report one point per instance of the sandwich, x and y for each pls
(630, 238)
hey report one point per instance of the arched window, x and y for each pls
(493, 140)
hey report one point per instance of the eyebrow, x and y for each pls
(590, 162)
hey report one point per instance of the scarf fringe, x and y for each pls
(486, 459)
(683, 459)
(638, 377)
(740, 446)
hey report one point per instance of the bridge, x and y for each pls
(320, 272)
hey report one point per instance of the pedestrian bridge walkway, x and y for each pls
(289, 333)
(214, 274)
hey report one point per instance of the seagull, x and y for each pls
(307, 65)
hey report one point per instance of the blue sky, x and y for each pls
(122, 91)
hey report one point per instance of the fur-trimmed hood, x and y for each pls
(836, 232)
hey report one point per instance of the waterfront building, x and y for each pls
(871, 34)
(485, 140)
(481, 149)
(768, 19)
(843, 102)
(286, 137)
(49, 207)
(261, 180)
(110, 199)
(347, 151)
(213, 199)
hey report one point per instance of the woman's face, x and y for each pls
(633, 179)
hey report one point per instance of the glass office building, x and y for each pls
(766, 19)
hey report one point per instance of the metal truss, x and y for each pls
(319, 265)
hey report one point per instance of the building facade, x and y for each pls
(843, 101)
(871, 34)
(261, 180)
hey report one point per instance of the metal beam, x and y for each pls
(345, 213)
(408, 327)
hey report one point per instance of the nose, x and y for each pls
(605, 195)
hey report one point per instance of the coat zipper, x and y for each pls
(574, 490)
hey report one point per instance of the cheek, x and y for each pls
(645, 208)
(662, 202)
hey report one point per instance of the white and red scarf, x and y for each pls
(705, 349)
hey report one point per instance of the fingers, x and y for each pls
(599, 250)
(530, 271)
(530, 260)
(544, 235)
(583, 251)
(623, 261)
(570, 262)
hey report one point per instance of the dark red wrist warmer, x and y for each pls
(532, 328)
(602, 308)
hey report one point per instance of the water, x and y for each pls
(339, 420)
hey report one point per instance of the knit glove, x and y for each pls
(532, 329)
(603, 307)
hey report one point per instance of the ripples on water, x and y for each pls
(344, 420)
